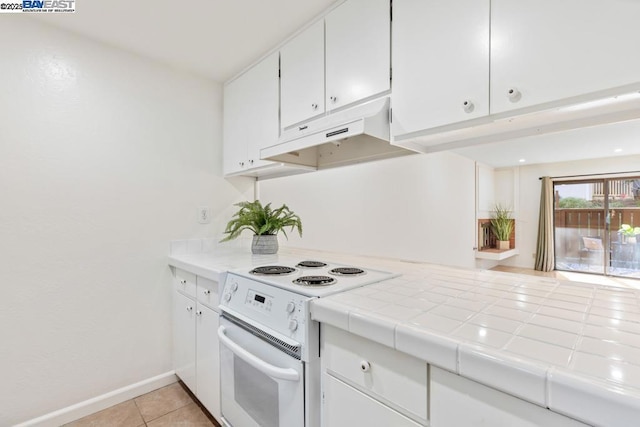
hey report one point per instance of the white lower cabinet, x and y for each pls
(366, 383)
(457, 401)
(344, 406)
(196, 356)
(184, 339)
(208, 359)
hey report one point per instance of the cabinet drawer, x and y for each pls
(185, 282)
(208, 293)
(345, 406)
(395, 378)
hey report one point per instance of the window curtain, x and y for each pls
(545, 253)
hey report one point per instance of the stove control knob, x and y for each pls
(291, 307)
(227, 297)
(234, 287)
(293, 325)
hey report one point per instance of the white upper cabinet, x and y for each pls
(358, 60)
(251, 105)
(235, 145)
(460, 66)
(547, 50)
(440, 62)
(302, 76)
(338, 61)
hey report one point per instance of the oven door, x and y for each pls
(260, 384)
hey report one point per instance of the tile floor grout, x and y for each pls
(185, 410)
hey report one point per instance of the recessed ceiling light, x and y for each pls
(522, 160)
(618, 150)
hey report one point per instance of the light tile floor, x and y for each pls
(597, 279)
(168, 406)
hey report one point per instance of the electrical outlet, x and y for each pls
(204, 214)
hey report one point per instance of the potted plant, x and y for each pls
(502, 226)
(629, 233)
(264, 222)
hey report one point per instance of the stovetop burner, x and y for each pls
(311, 264)
(315, 281)
(273, 270)
(346, 271)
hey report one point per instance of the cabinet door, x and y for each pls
(302, 76)
(262, 123)
(358, 51)
(251, 104)
(547, 50)
(344, 406)
(440, 70)
(208, 360)
(484, 406)
(184, 339)
(234, 151)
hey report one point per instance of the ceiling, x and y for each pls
(213, 38)
(611, 140)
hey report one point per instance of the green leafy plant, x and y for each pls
(574, 202)
(628, 230)
(261, 220)
(502, 223)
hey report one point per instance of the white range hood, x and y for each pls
(355, 135)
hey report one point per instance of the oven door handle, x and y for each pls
(286, 374)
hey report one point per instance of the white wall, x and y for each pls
(529, 195)
(420, 207)
(104, 158)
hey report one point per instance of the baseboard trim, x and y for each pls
(87, 407)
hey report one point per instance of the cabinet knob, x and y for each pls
(189, 308)
(365, 366)
(314, 106)
(251, 161)
(207, 292)
(468, 106)
(514, 94)
(241, 164)
(302, 127)
(183, 282)
(334, 99)
(198, 313)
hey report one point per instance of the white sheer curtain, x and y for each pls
(545, 253)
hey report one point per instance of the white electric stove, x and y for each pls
(270, 347)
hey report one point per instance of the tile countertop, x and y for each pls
(572, 347)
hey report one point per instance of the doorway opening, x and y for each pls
(597, 226)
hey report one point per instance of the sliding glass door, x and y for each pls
(595, 226)
(580, 227)
(624, 206)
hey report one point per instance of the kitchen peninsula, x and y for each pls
(510, 345)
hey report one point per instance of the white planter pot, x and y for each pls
(503, 245)
(265, 244)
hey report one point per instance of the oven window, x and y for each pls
(256, 393)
